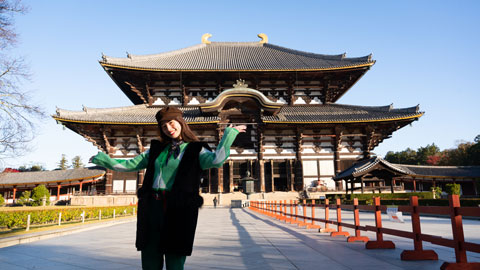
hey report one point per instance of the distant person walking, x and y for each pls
(169, 199)
(215, 202)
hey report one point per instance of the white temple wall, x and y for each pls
(326, 167)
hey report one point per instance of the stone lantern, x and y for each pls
(248, 185)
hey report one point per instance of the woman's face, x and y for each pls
(172, 129)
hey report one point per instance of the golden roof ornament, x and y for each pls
(205, 38)
(240, 84)
(263, 37)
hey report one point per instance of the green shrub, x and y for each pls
(39, 194)
(2, 200)
(24, 199)
(436, 192)
(452, 189)
(15, 219)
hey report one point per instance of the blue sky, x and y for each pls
(427, 53)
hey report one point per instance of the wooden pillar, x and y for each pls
(414, 185)
(261, 162)
(336, 157)
(141, 149)
(141, 176)
(209, 187)
(80, 187)
(393, 184)
(261, 165)
(271, 175)
(230, 175)
(59, 186)
(220, 179)
(290, 175)
(219, 170)
(110, 150)
(298, 172)
(362, 183)
(109, 182)
(346, 187)
(14, 193)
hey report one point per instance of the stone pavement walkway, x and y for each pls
(226, 239)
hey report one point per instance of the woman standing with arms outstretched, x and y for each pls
(169, 199)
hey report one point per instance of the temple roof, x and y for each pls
(236, 56)
(334, 113)
(421, 171)
(44, 177)
(365, 166)
(318, 113)
(442, 171)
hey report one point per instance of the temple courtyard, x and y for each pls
(235, 238)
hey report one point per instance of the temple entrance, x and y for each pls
(280, 179)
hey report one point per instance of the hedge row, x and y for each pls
(422, 202)
(369, 196)
(15, 219)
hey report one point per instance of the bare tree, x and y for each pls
(17, 112)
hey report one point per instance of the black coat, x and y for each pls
(182, 202)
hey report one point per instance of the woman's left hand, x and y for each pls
(240, 128)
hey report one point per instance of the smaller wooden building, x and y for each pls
(61, 183)
(377, 174)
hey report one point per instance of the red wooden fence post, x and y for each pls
(356, 216)
(291, 212)
(275, 209)
(270, 209)
(304, 207)
(296, 211)
(417, 253)
(282, 213)
(327, 229)
(379, 243)
(458, 238)
(339, 231)
(313, 225)
(288, 217)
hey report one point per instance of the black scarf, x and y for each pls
(174, 149)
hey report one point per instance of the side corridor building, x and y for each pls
(297, 134)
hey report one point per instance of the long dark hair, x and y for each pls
(186, 133)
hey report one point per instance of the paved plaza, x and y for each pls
(235, 239)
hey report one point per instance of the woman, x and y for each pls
(169, 199)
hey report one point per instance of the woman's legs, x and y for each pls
(151, 258)
(175, 262)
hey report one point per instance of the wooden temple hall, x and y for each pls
(298, 135)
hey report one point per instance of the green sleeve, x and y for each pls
(209, 159)
(130, 165)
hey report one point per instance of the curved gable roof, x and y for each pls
(236, 56)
